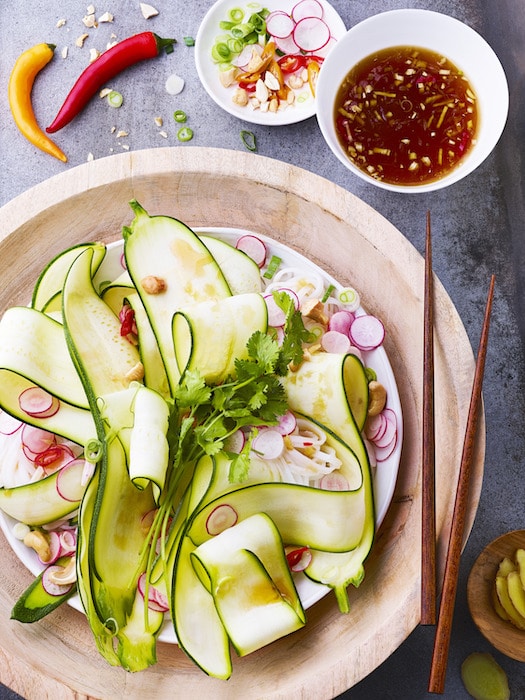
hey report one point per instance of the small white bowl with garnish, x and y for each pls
(280, 43)
(412, 100)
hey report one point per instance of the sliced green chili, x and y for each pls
(185, 134)
(273, 266)
(115, 99)
(180, 116)
(189, 41)
(249, 140)
(328, 293)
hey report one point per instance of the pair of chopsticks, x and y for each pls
(428, 557)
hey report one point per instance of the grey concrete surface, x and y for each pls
(477, 228)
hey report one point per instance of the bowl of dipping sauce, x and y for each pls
(412, 100)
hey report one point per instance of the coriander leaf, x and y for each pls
(192, 391)
(239, 468)
(264, 350)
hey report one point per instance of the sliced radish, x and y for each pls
(68, 541)
(341, 321)
(242, 60)
(384, 452)
(235, 442)
(157, 601)
(9, 424)
(311, 33)
(36, 402)
(307, 8)
(298, 558)
(54, 546)
(287, 45)
(279, 24)
(36, 440)
(268, 444)
(333, 341)
(389, 432)
(54, 589)
(220, 519)
(54, 458)
(367, 332)
(253, 247)
(69, 481)
(287, 423)
(335, 481)
(375, 426)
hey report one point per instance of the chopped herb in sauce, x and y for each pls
(406, 115)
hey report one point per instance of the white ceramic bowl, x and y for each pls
(463, 46)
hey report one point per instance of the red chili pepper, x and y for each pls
(109, 64)
(127, 321)
(294, 557)
(249, 87)
(291, 63)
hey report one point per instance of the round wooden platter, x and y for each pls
(351, 241)
(500, 633)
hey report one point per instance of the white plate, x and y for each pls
(208, 71)
(384, 476)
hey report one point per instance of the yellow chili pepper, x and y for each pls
(313, 72)
(23, 75)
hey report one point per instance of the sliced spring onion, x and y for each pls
(249, 140)
(189, 41)
(273, 266)
(114, 99)
(221, 52)
(236, 15)
(240, 31)
(93, 451)
(328, 293)
(185, 134)
(180, 116)
(226, 26)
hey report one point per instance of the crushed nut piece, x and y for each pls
(90, 10)
(271, 82)
(314, 309)
(240, 97)
(125, 146)
(63, 53)
(113, 129)
(136, 373)
(106, 17)
(164, 134)
(158, 121)
(104, 92)
(93, 55)
(89, 21)
(90, 157)
(60, 23)
(153, 285)
(148, 10)
(80, 40)
(121, 134)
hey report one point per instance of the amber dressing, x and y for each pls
(406, 115)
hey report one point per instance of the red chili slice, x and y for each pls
(291, 63)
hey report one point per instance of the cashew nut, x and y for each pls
(376, 398)
(65, 574)
(314, 309)
(136, 373)
(39, 542)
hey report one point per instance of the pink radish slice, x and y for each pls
(367, 332)
(54, 546)
(287, 423)
(276, 316)
(279, 24)
(268, 444)
(335, 481)
(253, 247)
(235, 442)
(220, 519)
(69, 481)
(388, 434)
(341, 321)
(54, 589)
(311, 34)
(68, 542)
(298, 558)
(375, 426)
(287, 45)
(36, 440)
(383, 453)
(307, 8)
(333, 341)
(246, 54)
(157, 601)
(9, 424)
(54, 458)
(36, 402)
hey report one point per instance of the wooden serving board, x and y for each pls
(212, 187)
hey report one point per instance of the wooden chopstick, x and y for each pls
(428, 515)
(446, 609)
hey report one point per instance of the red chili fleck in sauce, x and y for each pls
(406, 115)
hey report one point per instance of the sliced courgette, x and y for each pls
(35, 602)
(241, 272)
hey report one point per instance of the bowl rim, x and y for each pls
(424, 18)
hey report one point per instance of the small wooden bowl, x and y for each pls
(502, 634)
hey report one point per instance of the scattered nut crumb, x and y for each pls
(63, 53)
(158, 121)
(60, 23)
(110, 44)
(106, 17)
(104, 92)
(113, 129)
(90, 157)
(89, 21)
(121, 134)
(136, 372)
(153, 285)
(93, 55)
(148, 10)
(164, 134)
(80, 40)
(90, 10)
(125, 146)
